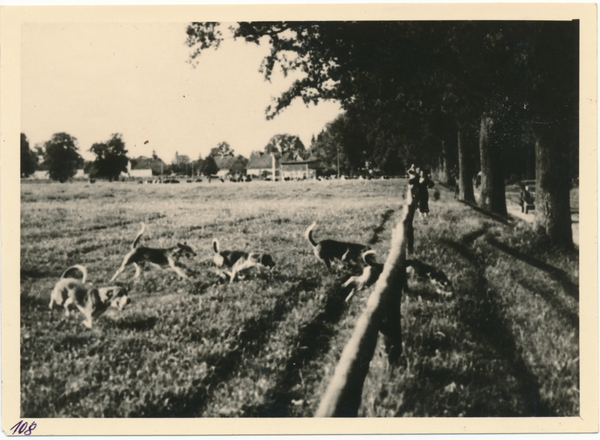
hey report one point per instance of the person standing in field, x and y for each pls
(413, 182)
(423, 185)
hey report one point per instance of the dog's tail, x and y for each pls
(215, 246)
(346, 254)
(365, 256)
(308, 234)
(137, 238)
(78, 267)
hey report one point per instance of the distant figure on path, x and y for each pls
(424, 183)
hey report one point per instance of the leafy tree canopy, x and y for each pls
(61, 156)
(412, 84)
(111, 158)
(29, 159)
(284, 143)
(239, 166)
(222, 149)
(209, 166)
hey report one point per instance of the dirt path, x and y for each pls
(516, 212)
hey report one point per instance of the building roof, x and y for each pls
(261, 162)
(295, 159)
(225, 162)
(147, 163)
(181, 158)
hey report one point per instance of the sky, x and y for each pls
(93, 80)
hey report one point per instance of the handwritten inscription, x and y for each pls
(23, 428)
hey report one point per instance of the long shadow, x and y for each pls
(85, 231)
(483, 314)
(138, 324)
(472, 236)
(314, 340)
(562, 309)
(489, 214)
(379, 229)
(35, 273)
(555, 273)
(253, 336)
(119, 224)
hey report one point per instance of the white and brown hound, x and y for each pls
(328, 250)
(159, 257)
(238, 261)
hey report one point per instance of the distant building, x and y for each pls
(294, 167)
(40, 174)
(145, 166)
(263, 165)
(224, 163)
(181, 159)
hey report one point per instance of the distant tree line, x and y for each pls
(60, 157)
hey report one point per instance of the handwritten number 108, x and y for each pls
(21, 428)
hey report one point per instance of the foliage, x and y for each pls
(61, 157)
(285, 143)
(111, 158)
(222, 149)
(341, 141)
(506, 344)
(239, 166)
(411, 84)
(29, 159)
(415, 84)
(209, 166)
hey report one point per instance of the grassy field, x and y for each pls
(505, 344)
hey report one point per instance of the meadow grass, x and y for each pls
(505, 344)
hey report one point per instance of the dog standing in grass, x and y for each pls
(159, 257)
(329, 250)
(239, 261)
(426, 272)
(90, 301)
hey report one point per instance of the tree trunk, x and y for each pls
(465, 172)
(555, 103)
(492, 179)
(552, 200)
(444, 173)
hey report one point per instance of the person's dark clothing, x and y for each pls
(422, 186)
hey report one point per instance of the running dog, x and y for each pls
(370, 275)
(328, 250)
(159, 257)
(424, 271)
(90, 301)
(239, 261)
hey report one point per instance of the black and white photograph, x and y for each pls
(370, 216)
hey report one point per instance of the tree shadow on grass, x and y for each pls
(136, 323)
(314, 340)
(253, 336)
(555, 273)
(559, 306)
(379, 229)
(479, 310)
(472, 236)
(35, 274)
(33, 302)
(497, 217)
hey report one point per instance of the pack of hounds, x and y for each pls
(70, 292)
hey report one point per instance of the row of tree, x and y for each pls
(496, 96)
(60, 157)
